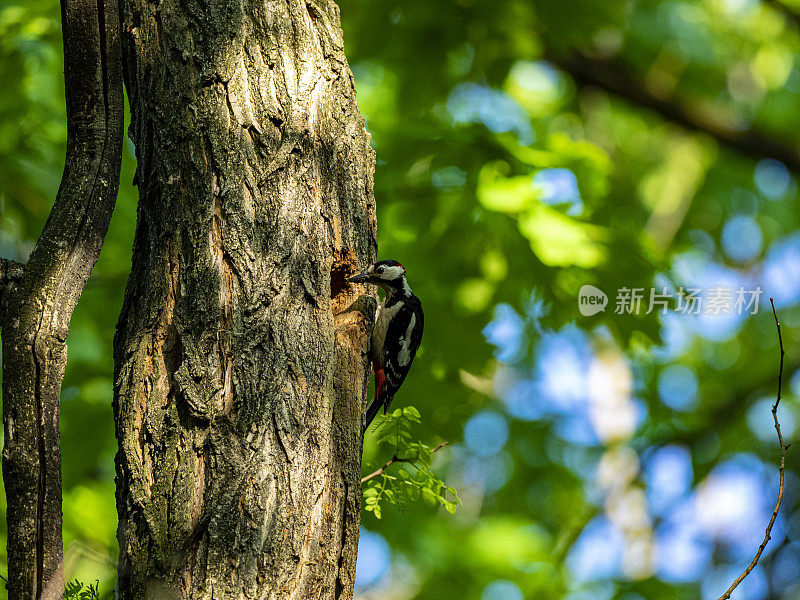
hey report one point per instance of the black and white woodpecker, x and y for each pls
(397, 333)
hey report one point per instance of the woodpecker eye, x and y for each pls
(379, 269)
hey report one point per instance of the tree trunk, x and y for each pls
(37, 298)
(240, 353)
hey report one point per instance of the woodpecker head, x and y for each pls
(388, 274)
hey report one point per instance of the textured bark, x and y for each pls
(240, 352)
(37, 299)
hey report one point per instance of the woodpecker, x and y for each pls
(397, 333)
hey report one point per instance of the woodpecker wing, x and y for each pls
(402, 339)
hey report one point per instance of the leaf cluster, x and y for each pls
(77, 590)
(412, 479)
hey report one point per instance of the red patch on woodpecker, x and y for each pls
(380, 382)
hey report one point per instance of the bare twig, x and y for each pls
(784, 448)
(393, 460)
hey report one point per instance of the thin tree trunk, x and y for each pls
(240, 352)
(37, 298)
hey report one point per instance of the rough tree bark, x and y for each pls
(240, 352)
(37, 298)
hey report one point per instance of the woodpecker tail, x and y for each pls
(375, 407)
(372, 411)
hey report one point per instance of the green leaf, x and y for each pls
(412, 413)
(430, 497)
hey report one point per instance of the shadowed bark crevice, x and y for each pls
(10, 271)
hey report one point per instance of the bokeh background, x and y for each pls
(525, 149)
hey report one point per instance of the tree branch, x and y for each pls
(784, 448)
(395, 459)
(615, 78)
(788, 14)
(39, 306)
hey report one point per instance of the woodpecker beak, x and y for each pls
(360, 278)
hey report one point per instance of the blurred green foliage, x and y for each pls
(521, 145)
